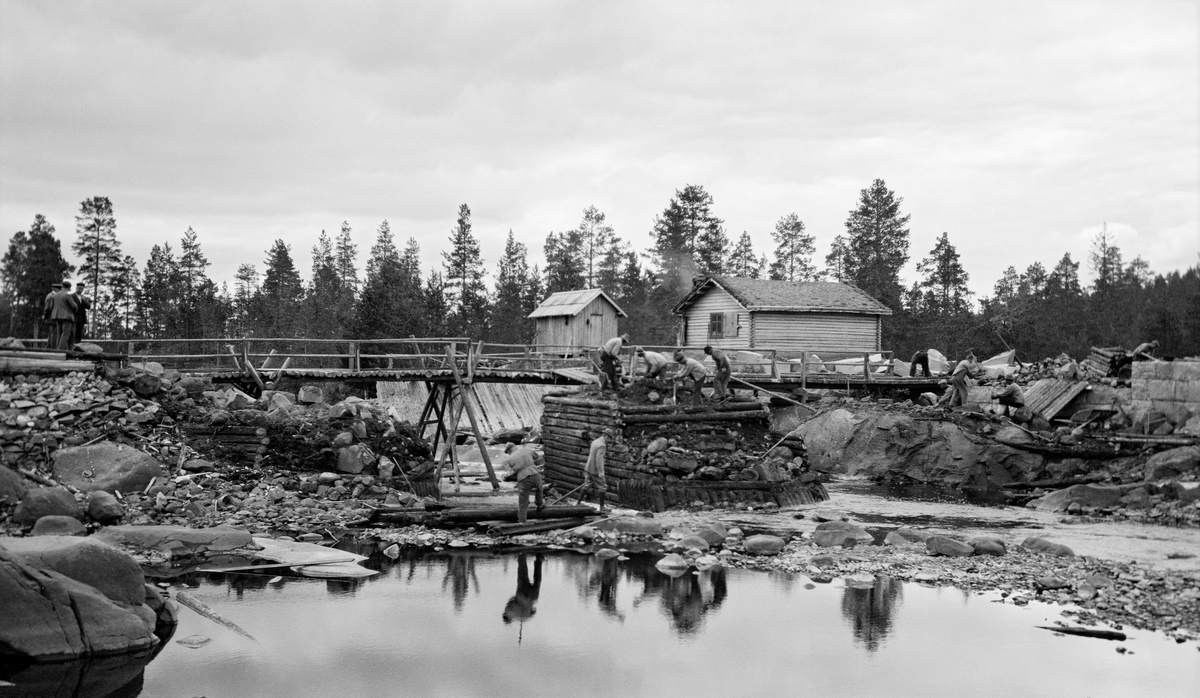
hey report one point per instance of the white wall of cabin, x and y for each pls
(815, 331)
(716, 301)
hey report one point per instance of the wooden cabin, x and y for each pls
(738, 313)
(576, 320)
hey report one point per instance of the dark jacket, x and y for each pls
(61, 306)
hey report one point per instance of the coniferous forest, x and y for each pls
(1041, 310)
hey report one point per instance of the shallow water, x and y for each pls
(479, 624)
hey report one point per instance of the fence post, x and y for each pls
(246, 354)
(129, 353)
(867, 365)
(804, 370)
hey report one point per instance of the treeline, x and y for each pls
(1041, 311)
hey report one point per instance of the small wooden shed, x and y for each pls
(738, 313)
(576, 319)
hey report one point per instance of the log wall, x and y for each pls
(566, 418)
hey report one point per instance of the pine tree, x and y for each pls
(596, 242)
(877, 244)
(712, 248)
(1104, 260)
(835, 261)
(436, 309)
(96, 243)
(510, 325)
(34, 260)
(465, 292)
(1064, 280)
(125, 282)
(793, 251)
(945, 282)
(565, 269)
(1005, 289)
(158, 297)
(201, 313)
(245, 294)
(1033, 281)
(742, 261)
(679, 232)
(324, 292)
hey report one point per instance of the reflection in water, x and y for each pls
(460, 576)
(870, 610)
(521, 606)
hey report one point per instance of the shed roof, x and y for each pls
(571, 302)
(789, 296)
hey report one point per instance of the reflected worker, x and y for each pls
(529, 480)
(521, 607)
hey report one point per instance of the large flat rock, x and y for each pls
(105, 466)
(114, 572)
(176, 538)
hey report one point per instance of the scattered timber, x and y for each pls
(697, 417)
(519, 529)
(1084, 632)
(202, 608)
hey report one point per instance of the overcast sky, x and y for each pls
(1016, 127)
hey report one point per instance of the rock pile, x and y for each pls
(744, 453)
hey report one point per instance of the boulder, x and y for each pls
(154, 368)
(672, 562)
(146, 384)
(113, 572)
(176, 538)
(277, 400)
(985, 545)
(46, 501)
(1084, 495)
(354, 459)
(694, 542)
(764, 545)
(12, 486)
(197, 465)
(715, 533)
(48, 615)
(860, 534)
(635, 525)
(194, 387)
(1137, 498)
(1040, 545)
(105, 466)
(834, 538)
(1170, 464)
(906, 536)
(310, 395)
(58, 526)
(1186, 492)
(950, 547)
(104, 508)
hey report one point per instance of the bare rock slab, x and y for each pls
(176, 539)
(105, 466)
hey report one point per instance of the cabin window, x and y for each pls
(716, 325)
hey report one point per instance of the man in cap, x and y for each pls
(81, 313)
(965, 369)
(692, 373)
(529, 480)
(610, 357)
(656, 363)
(593, 471)
(47, 309)
(1010, 395)
(724, 371)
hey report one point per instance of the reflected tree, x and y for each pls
(870, 611)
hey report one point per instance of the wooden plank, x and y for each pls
(467, 400)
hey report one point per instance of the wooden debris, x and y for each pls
(202, 608)
(1084, 632)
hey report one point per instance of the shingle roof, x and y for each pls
(789, 296)
(571, 302)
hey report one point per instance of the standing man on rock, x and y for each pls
(692, 372)
(656, 363)
(529, 480)
(60, 311)
(610, 356)
(967, 368)
(83, 306)
(724, 371)
(593, 472)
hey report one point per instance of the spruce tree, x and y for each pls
(679, 233)
(347, 260)
(245, 297)
(793, 251)
(743, 262)
(124, 280)
(1104, 259)
(465, 292)
(877, 244)
(324, 292)
(158, 297)
(835, 261)
(282, 294)
(33, 261)
(378, 310)
(565, 270)
(944, 285)
(510, 325)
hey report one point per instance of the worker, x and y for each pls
(593, 472)
(692, 373)
(60, 310)
(1010, 396)
(656, 363)
(47, 308)
(964, 370)
(610, 359)
(921, 358)
(521, 607)
(724, 371)
(523, 465)
(1143, 351)
(83, 305)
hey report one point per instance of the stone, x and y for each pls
(906, 536)
(950, 547)
(113, 572)
(342, 440)
(763, 544)
(194, 387)
(633, 525)
(1035, 544)
(1172, 463)
(672, 561)
(197, 465)
(861, 580)
(860, 534)
(1186, 492)
(105, 466)
(46, 501)
(146, 384)
(657, 445)
(310, 395)
(714, 533)
(58, 526)
(12, 486)
(1137, 498)
(178, 538)
(328, 478)
(154, 368)
(834, 538)
(822, 515)
(354, 459)
(48, 615)
(1085, 495)
(984, 545)
(694, 542)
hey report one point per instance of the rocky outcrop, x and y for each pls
(68, 597)
(176, 540)
(1083, 495)
(105, 466)
(12, 487)
(879, 444)
(1172, 463)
